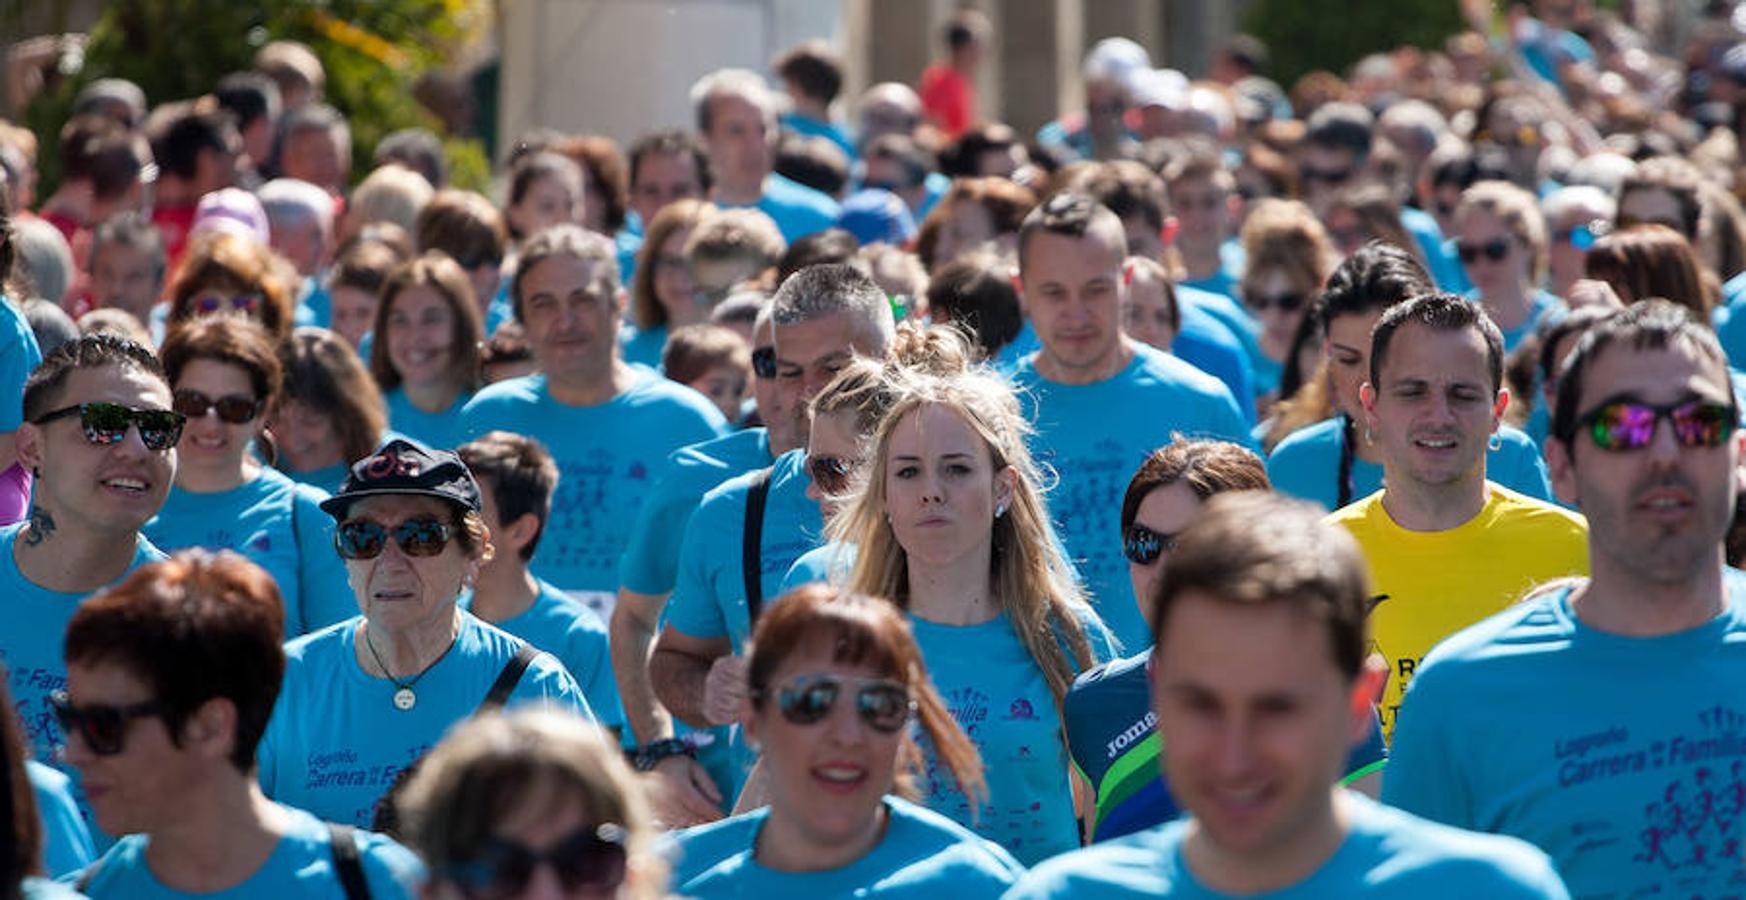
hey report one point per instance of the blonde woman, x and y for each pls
(1501, 239)
(1290, 257)
(951, 525)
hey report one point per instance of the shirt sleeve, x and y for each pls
(546, 681)
(651, 557)
(1424, 776)
(325, 595)
(695, 609)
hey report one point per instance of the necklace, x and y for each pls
(405, 697)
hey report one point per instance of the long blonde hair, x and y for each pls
(1028, 577)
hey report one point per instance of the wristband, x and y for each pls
(646, 757)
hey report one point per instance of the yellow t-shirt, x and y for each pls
(1432, 584)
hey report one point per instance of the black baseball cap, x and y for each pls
(406, 468)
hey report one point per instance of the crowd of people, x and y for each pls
(1227, 491)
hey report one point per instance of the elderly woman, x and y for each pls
(365, 698)
(1501, 239)
(224, 374)
(839, 694)
(426, 353)
(951, 525)
(531, 804)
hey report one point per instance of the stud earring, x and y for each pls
(1495, 442)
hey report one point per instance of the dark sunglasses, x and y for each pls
(364, 539)
(103, 728)
(1142, 546)
(830, 473)
(589, 857)
(1626, 425)
(207, 304)
(1495, 250)
(107, 423)
(764, 362)
(233, 408)
(1287, 303)
(1330, 176)
(884, 705)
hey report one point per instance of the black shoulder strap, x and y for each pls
(509, 677)
(751, 549)
(346, 863)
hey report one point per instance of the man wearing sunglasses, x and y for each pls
(99, 436)
(172, 676)
(1446, 546)
(1601, 718)
(709, 616)
(1261, 688)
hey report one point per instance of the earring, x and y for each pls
(1000, 510)
(1495, 443)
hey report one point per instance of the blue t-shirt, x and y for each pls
(1306, 465)
(1440, 257)
(327, 478)
(829, 564)
(566, 629)
(651, 560)
(314, 304)
(32, 641)
(922, 854)
(796, 209)
(1730, 321)
(642, 345)
(806, 126)
(1017, 350)
(1231, 312)
(710, 600)
(19, 354)
(439, 430)
(66, 840)
(300, 866)
(1227, 280)
(1623, 758)
(1386, 854)
(34, 888)
(608, 456)
(1094, 436)
(336, 742)
(1210, 346)
(278, 524)
(1112, 734)
(1543, 309)
(998, 695)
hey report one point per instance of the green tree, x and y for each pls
(1305, 35)
(373, 51)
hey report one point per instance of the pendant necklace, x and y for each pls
(405, 698)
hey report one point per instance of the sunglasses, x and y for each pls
(207, 304)
(233, 408)
(883, 704)
(365, 539)
(830, 473)
(591, 857)
(1142, 546)
(1495, 250)
(103, 728)
(107, 423)
(1286, 303)
(1626, 425)
(764, 362)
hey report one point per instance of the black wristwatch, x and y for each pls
(646, 757)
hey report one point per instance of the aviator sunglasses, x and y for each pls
(591, 857)
(1142, 546)
(107, 423)
(1627, 425)
(102, 727)
(883, 704)
(364, 539)
(235, 409)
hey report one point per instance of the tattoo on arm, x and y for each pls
(42, 526)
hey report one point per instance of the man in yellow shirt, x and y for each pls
(1446, 548)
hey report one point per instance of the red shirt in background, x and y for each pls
(948, 99)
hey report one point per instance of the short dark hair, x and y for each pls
(1380, 275)
(832, 245)
(42, 390)
(194, 628)
(1653, 324)
(1341, 126)
(815, 162)
(521, 474)
(178, 144)
(232, 340)
(1069, 214)
(1577, 322)
(1439, 312)
(966, 27)
(1125, 187)
(976, 294)
(674, 142)
(904, 150)
(1250, 548)
(1207, 467)
(133, 230)
(418, 149)
(248, 96)
(813, 68)
(465, 225)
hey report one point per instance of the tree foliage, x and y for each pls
(1305, 35)
(373, 51)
